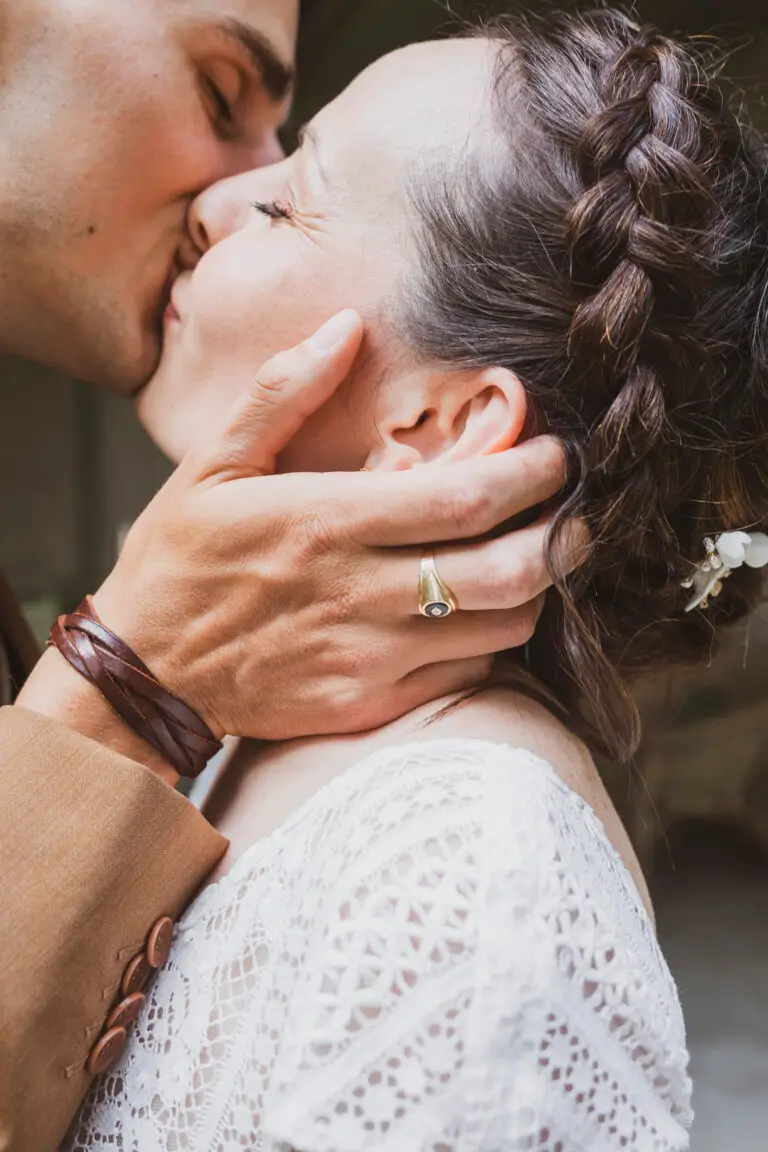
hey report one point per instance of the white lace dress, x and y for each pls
(440, 952)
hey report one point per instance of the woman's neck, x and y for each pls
(263, 783)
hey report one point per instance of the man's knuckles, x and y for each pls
(465, 510)
(510, 578)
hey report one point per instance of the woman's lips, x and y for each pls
(175, 309)
(170, 313)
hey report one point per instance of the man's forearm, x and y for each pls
(56, 690)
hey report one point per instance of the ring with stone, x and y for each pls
(436, 599)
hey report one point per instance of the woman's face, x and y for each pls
(330, 230)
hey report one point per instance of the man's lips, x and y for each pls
(161, 313)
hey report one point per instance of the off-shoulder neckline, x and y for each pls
(367, 764)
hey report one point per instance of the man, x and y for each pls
(114, 114)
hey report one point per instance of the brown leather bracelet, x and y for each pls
(154, 713)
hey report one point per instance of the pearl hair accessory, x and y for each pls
(724, 554)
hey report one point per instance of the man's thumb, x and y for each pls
(288, 389)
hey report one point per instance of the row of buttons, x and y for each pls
(109, 1047)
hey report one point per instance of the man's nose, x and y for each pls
(224, 208)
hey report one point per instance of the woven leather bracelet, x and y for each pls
(154, 713)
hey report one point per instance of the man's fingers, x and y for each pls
(510, 570)
(460, 501)
(288, 389)
(506, 572)
(574, 546)
(496, 574)
(468, 635)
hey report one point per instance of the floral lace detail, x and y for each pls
(440, 952)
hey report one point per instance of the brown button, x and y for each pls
(159, 942)
(126, 1011)
(107, 1051)
(136, 975)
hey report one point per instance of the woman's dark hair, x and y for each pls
(612, 250)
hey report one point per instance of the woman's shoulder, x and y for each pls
(497, 758)
(532, 735)
(407, 796)
(473, 807)
(541, 753)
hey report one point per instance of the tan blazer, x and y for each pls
(94, 851)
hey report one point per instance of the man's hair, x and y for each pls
(612, 250)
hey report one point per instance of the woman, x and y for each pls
(436, 935)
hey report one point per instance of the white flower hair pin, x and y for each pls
(724, 554)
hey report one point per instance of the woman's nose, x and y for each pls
(224, 208)
(219, 211)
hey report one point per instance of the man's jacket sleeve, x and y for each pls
(94, 851)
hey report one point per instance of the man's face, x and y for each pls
(115, 114)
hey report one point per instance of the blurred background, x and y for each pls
(75, 470)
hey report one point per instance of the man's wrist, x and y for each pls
(56, 690)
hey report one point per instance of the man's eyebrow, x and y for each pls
(276, 76)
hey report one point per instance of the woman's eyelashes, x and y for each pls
(274, 209)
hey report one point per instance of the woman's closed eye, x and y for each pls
(274, 209)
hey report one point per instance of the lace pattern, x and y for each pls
(440, 952)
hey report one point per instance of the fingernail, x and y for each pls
(334, 331)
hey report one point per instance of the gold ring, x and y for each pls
(435, 597)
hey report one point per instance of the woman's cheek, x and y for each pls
(286, 286)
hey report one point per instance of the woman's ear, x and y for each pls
(448, 417)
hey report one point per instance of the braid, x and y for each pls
(642, 149)
(648, 156)
(643, 160)
(620, 271)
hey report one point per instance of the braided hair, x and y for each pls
(612, 250)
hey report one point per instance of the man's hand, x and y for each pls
(284, 605)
